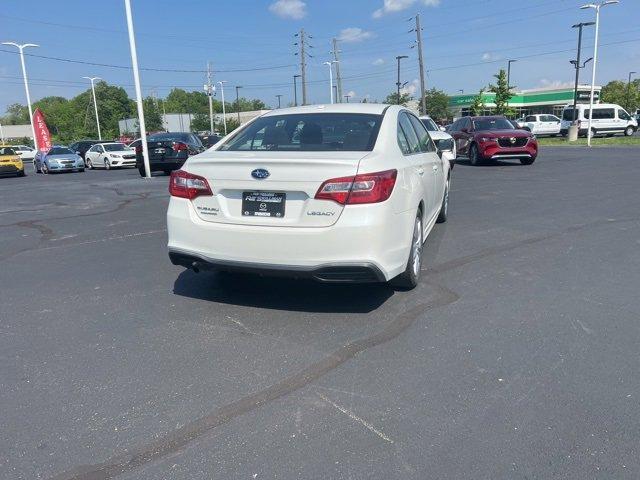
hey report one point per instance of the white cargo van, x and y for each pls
(608, 119)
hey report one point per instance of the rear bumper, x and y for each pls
(10, 169)
(360, 246)
(327, 273)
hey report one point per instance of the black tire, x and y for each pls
(35, 167)
(527, 161)
(89, 164)
(629, 131)
(168, 172)
(107, 165)
(474, 156)
(408, 279)
(44, 169)
(444, 207)
(21, 173)
(142, 172)
(594, 132)
(81, 170)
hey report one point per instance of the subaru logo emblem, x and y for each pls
(260, 173)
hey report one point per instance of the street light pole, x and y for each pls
(279, 97)
(26, 84)
(95, 103)
(509, 62)
(224, 111)
(576, 63)
(295, 90)
(238, 87)
(398, 84)
(330, 78)
(628, 105)
(597, 8)
(136, 79)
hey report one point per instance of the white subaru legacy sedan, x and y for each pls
(337, 193)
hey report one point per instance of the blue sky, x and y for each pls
(466, 41)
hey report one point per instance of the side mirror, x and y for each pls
(444, 145)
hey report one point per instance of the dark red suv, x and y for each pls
(493, 138)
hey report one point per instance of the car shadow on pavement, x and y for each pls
(277, 293)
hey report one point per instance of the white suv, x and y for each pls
(542, 124)
(338, 193)
(110, 155)
(608, 119)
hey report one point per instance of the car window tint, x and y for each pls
(426, 145)
(402, 141)
(530, 118)
(7, 151)
(407, 128)
(309, 132)
(623, 115)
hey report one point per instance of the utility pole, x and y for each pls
(295, 90)
(628, 102)
(423, 100)
(26, 84)
(210, 89)
(398, 84)
(338, 75)
(279, 97)
(238, 87)
(136, 80)
(303, 61)
(576, 64)
(509, 62)
(95, 103)
(224, 108)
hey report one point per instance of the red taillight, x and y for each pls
(179, 146)
(363, 188)
(187, 185)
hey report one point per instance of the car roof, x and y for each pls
(486, 117)
(366, 108)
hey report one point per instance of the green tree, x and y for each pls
(620, 92)
(437, 103)
(392, 99)
(477, 105)
(201, 123)
(152, 115)
(503, 94)
(16, 114)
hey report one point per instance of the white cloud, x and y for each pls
(410, 88)
(378, 61)
(351, 93)
(392, 6)
(545, 82)
(295, 9)
(354, 34)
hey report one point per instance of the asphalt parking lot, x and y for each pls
(516, 358)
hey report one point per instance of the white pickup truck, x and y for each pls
(542, 124)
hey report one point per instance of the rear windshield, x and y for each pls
(114, 147)
(492, 124)
(567, 115)
(429, 124)
(169, 137)
(60, 151)
(311, 132)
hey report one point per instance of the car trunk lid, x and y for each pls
(284, 197)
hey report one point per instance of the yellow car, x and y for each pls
(10, 162)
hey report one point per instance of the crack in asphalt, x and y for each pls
(181, 437)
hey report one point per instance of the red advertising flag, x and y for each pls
(43, 139)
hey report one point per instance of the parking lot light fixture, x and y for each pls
(136, 79)
(224, 108)
(21, 47)
(398, 83)
(596, 7)
(95, 103)
(330, 64)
